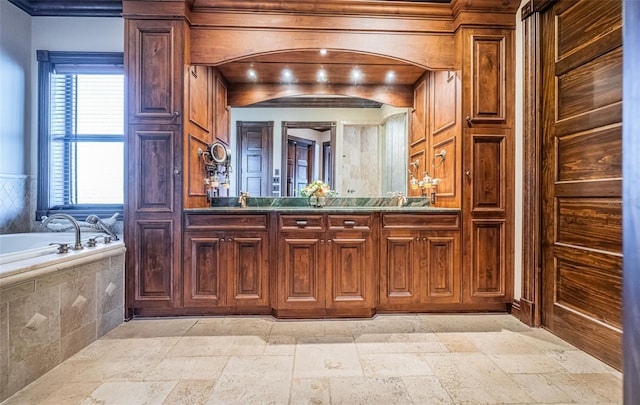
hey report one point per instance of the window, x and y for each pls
(80, 133)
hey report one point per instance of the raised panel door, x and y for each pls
(488, 75)
(301, 270)
(204, 270)
(399, 276)
(152, 165)
(487, 279)
(442, 280)
(350, 271)
(154, 56)
(154, 282)
(248, 269)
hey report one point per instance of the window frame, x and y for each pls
(46, 63)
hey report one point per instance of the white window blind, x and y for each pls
(87, 127)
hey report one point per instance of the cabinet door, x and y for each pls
(204, 258)
(441, 253)
(488, 213)
(301, 270)
(154, 56)
(488, 71)
(350, 271)
(399, 270)
(248, 270)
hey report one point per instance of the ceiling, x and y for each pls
(304, 67)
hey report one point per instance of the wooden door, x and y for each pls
(299, 165)
(301, 271)
(204, 269)
(582, 175)
(254, 143)
(248, 269)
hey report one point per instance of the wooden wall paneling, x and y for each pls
(445, 109)
(198, 131)
(581, 177)
(419, 116)
(195, 190)
(631, 212)
(488, 78)
(531, 167)
(418, 140)
(154, 58)
(200, 94)
(222, 115)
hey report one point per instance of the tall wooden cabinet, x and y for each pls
(154, 63)
(488, 166)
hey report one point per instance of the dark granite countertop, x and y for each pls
(332, 204)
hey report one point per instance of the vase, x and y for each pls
(317, 201)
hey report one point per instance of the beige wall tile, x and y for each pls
(77, 303)
(109, 321)
(77, 340)
(56, 278)
(16, 291)
(4, 350)
(34, 323)
(110, 286)
(27, 370)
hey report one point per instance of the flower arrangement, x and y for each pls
(317, 188)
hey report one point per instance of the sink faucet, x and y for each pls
(243, 199)
(401, 200)
(76, 226)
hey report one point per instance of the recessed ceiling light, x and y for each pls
(287, 76)
(252, 75)
(356, 75)
(321, 76)
(390, 77)
(323, 51)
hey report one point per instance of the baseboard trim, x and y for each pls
(515, 308)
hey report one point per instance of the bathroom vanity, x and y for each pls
(334, 261)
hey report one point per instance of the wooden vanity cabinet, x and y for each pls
(325, 265)
(419, 261)
(226, 261)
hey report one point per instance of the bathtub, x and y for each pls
(53, 305)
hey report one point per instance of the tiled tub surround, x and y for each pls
(17, 203)
(53, 306)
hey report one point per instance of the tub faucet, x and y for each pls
(94, 220)
(243, 199)
(76, 226)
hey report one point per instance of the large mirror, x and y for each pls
(359, 152)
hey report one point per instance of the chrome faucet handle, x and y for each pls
(62, 247)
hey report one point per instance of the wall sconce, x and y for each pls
(442, 155)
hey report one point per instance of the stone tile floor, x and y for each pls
(390, 359)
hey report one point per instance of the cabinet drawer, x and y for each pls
(421, 221)
(339, 222)
(301, 222)
(227, 222)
